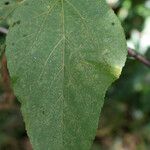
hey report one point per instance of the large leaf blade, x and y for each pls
(62, 56)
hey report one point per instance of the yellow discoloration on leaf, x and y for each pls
(117, 71)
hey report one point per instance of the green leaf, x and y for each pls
(7, 8)
(62, 56)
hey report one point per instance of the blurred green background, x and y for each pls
(125, 118)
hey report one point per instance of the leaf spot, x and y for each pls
(112, 23)
(16, 23)
(43, 112)
(7, 3)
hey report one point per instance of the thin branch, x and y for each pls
(138, 57)
(131, 52)
(3, 30)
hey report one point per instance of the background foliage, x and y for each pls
(125, 119)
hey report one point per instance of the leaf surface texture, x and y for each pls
(62, 56)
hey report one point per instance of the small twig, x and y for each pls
(3, 30)
(131, 52)
(138, 57)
